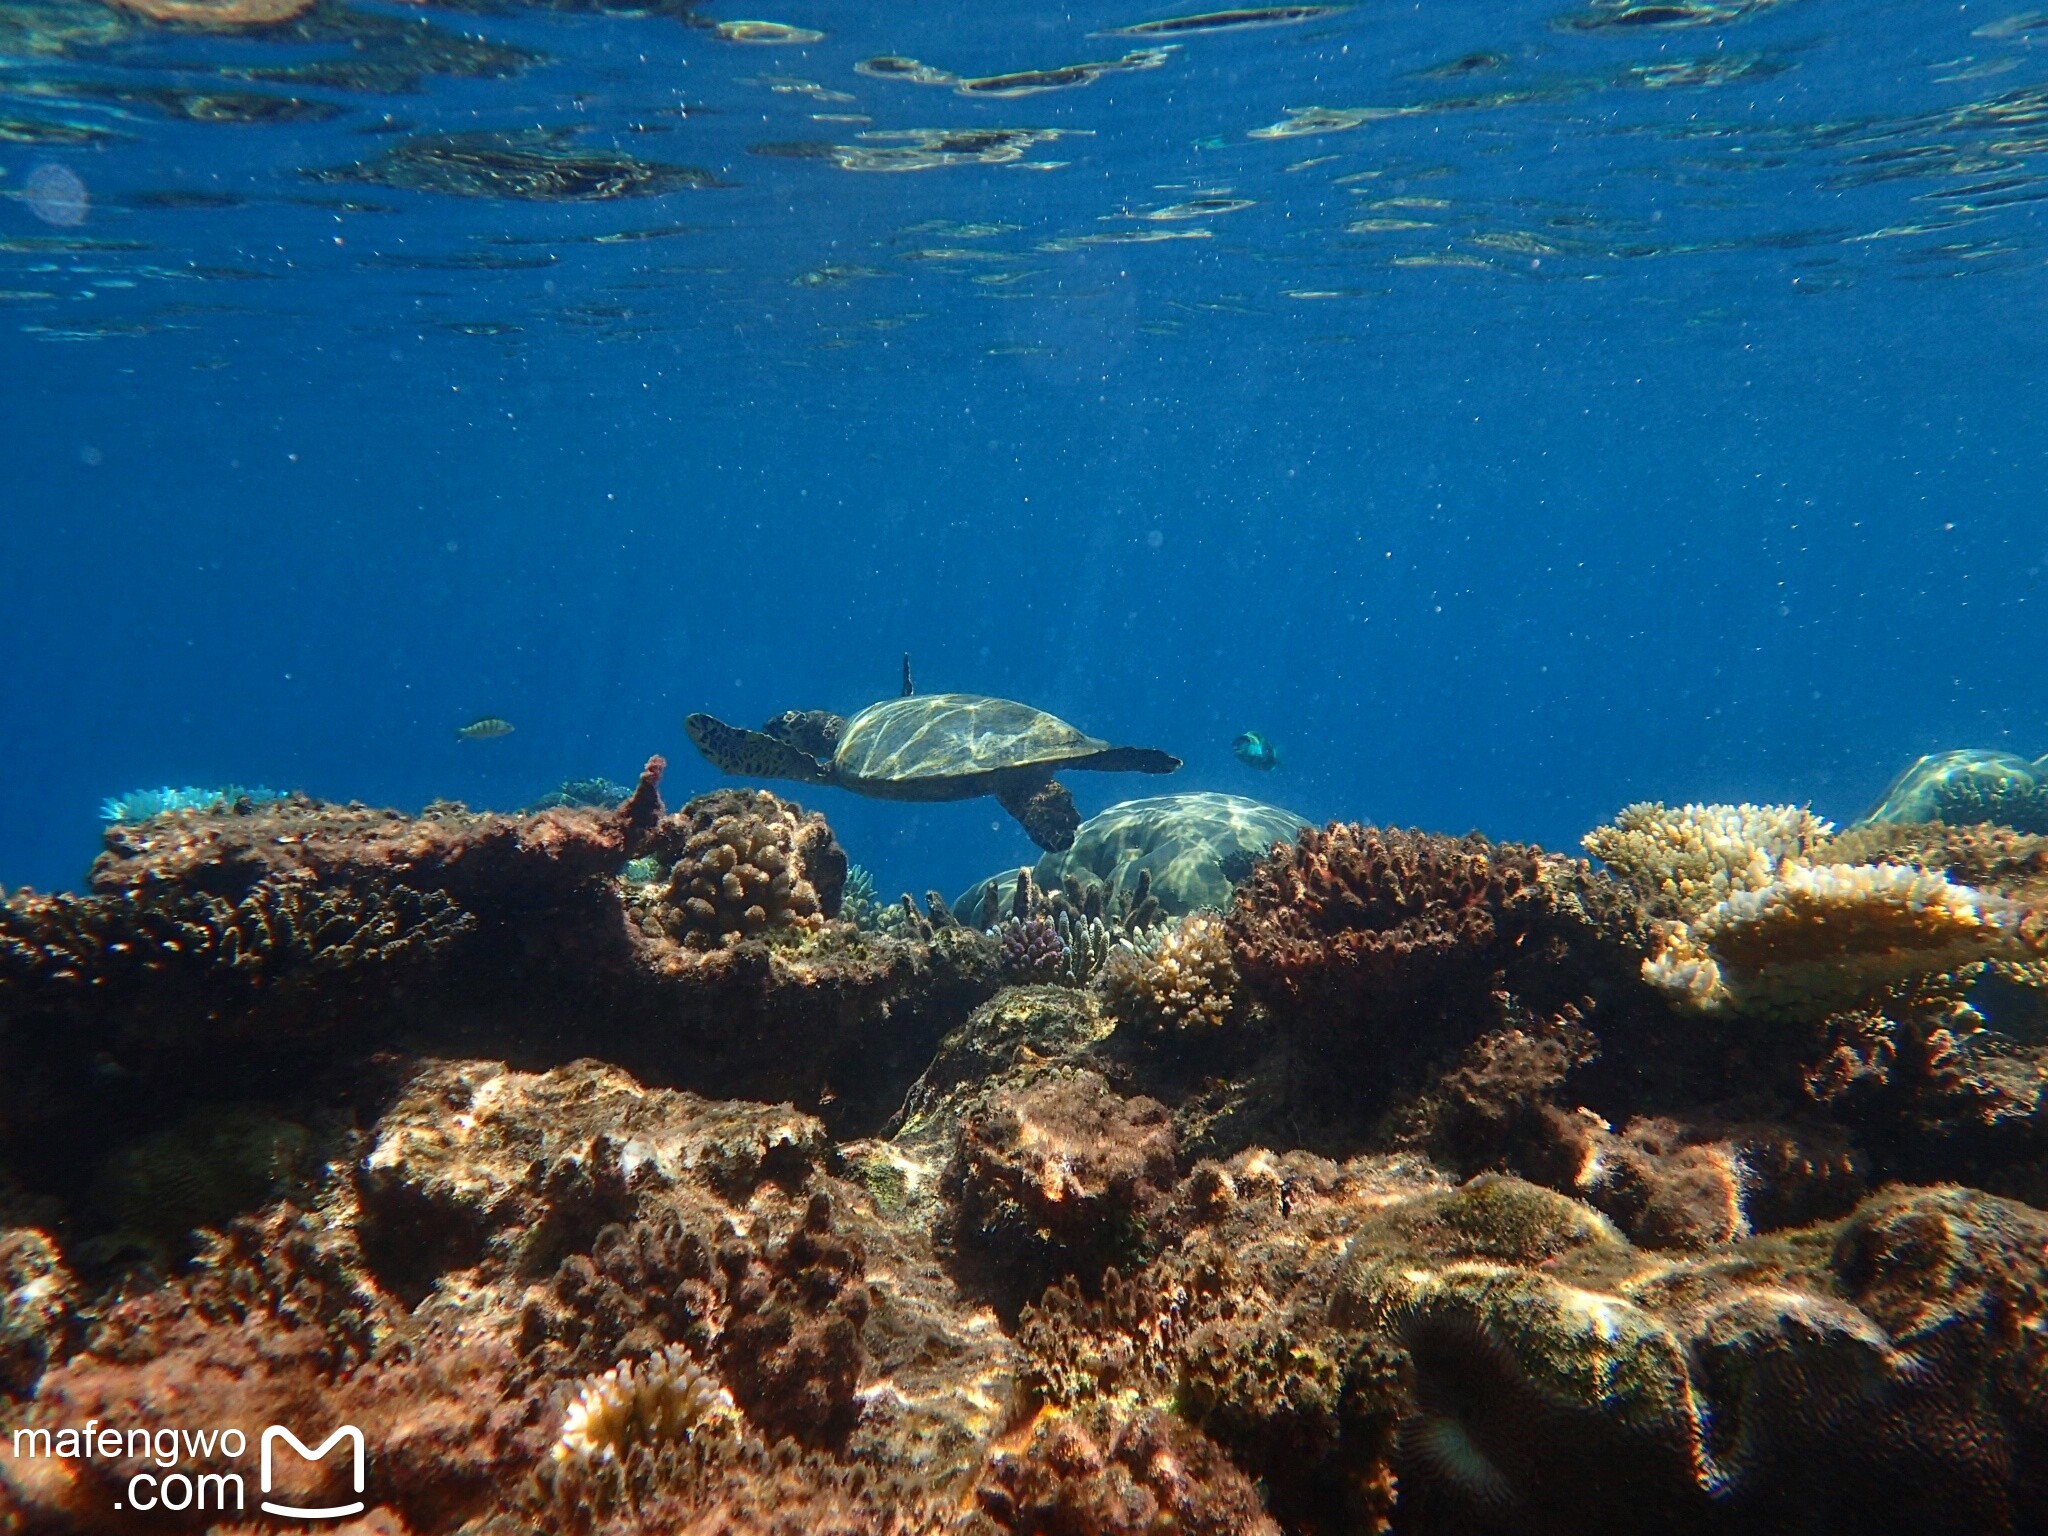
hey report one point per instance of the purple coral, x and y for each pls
(1031, 948)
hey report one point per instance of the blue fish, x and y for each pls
(1254, 751)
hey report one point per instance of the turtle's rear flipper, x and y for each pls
(1044, 809)
(752, 754)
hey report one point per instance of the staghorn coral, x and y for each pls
(1175, 979)
(858, 903)
(1819, 938)
(1682, 862)
(633, 1405)
(1061, 948)
(749, 864)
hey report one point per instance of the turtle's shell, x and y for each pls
(938, 746)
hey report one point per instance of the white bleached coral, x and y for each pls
(638, 1403)
(1817, 938)
(1682, 862)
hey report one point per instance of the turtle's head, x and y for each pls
(814, 732)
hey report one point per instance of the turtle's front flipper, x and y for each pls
(752, 754)
(1044, 809)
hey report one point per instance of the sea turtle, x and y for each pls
(931, 746)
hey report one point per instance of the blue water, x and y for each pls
(1574, 436)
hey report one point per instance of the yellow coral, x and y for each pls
(1183, 978)
(1817, 938)
(1682, 862)
(663, 1397)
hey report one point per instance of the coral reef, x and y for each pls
(858, 903)
(636, 1405)
(1384, 950)
(1682, 862)
(1189, 850)
(1179, 978)
(589, 794)
(1818, 938)
(749, 864)
(1059, 1177)
(1063, 948)
(142, 804)
(1112, 1474)
(792, 1346)
(1969, 786)
(1415, 1193)
(38, 1308)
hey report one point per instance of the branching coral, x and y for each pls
(1379, 949)
(1175, 979)
(1061, 948)
(637, 1404)
(750, 864)
(1681, 862)
(1818, 938)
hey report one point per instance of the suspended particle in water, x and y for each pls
(55, 195)
(90, 456)
(1154, 539)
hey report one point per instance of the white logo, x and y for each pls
(347, 1432)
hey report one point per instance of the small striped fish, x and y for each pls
(485, 729)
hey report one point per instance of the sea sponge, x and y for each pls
(750, 864)
(1681, 862)
(1174, 979)
(1819, 938)
(637, 1403)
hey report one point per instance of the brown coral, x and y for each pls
(748, 864)
(38, 1308)
(1107, 1473)
(1379, 950)
(1058, 1177)
(792, 1349)
(1821, 937)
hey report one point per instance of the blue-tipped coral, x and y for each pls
(141, 804)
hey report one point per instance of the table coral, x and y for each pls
(1817, 938)
(1681, 862)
